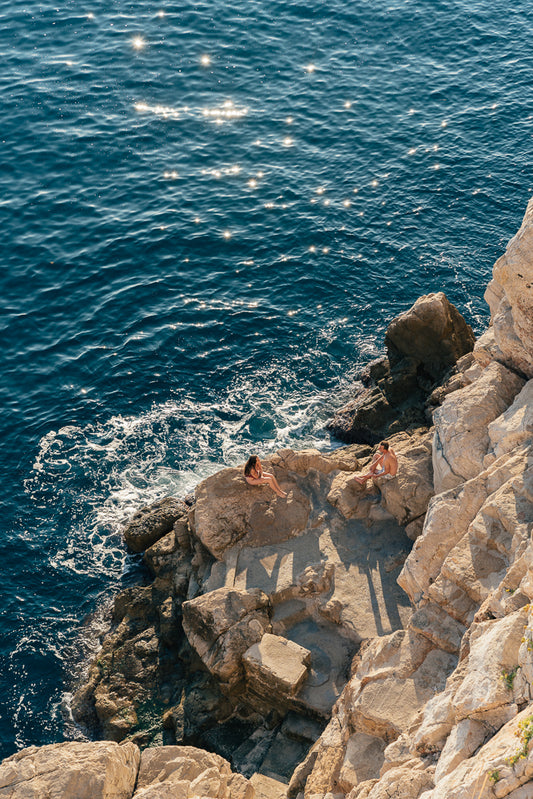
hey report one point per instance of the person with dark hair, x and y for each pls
(384, 464)
(255, 476)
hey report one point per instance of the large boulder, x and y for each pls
(405, 498)
(229, 511)
(422, 345)
(222, 625)
(510, 297)
(73, 770)
(432, 332)
(276, 669)
(150, 524)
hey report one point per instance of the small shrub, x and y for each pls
(494, 775)
(525, 734)
(508, 677)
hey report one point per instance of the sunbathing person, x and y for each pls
(255, 476)
(384, 464)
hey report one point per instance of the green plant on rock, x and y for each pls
(525, 734)
(494, 775)
(508, 677)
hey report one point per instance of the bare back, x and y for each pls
(390, 463)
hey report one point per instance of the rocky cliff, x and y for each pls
(309, 641)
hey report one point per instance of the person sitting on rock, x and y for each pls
(384, 464)
(255, 476)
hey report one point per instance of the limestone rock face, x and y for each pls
(228, 510)
(461, 436)
(489, 773)
(494, 649)
(465, 738)
(404, 782)
(149, 524)
(74, 770)
(515, 425)
(222, 625)
(433, 332)
(176, 772)
(448, 518)
(363, 759)
(510, 296)
(388, 707)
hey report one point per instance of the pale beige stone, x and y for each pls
(362, 761)
(181, 772)
(461, 438)
(486, 349)
(387, 707)
(348, 496)
(494, 648)
(320, 772)
(267, 787)
(510, 296)
(404, 782)
(398, 753)
(362, 790)
(398, 654)
(276, 667)
(448, 518)
(303, 460)
(407, 496)
(515, 425)
(475, 568)
(525, 653)
(438, 720)
(464, 739)
(239, 787)
(171, 789)
(222, 625)
(208, 783)
(438, 626)
(471, 778)
(73, 770)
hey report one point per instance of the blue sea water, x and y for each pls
(210, 212)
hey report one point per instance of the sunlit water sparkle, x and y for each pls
(209, 216)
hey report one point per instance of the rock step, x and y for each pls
(268, 787)
(434, 623)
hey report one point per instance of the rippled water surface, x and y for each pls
(210, 212)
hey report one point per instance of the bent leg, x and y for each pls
(274, 485)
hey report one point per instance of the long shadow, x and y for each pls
(258, 575)
(368, 548)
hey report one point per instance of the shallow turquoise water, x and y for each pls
(209, 215)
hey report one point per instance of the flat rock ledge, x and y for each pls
(309, 641)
